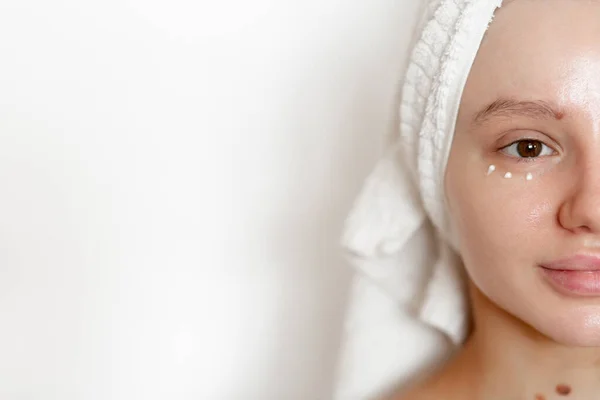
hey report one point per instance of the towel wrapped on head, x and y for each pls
(404, 196)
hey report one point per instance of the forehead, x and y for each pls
(539, 49)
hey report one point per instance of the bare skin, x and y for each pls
(528, 367)
(531, 108)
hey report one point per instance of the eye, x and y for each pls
(528, 148)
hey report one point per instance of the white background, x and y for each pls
(174, 178)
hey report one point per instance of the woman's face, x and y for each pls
(523, 177)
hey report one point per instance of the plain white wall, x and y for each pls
(174, 179)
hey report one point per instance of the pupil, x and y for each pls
(529, 149)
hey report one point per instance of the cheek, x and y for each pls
(495, 217)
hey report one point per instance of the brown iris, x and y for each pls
(529, 148)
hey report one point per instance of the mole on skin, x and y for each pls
(539, 397)
(563, 390)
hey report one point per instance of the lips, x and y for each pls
(575, 263)
(576, 275)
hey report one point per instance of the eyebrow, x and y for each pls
(503, 107)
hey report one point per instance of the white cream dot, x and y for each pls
(508, 175)
(491, 169)
(529, 176)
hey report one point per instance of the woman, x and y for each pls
(520, 187)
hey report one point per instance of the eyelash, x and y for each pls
(518, 158)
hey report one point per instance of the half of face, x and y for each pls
(523, 176)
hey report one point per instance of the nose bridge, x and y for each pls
(584, 202)
(581, 207)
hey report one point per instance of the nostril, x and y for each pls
(582, 229)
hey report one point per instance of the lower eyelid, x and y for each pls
(529, 159)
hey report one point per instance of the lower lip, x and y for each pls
(580, 283)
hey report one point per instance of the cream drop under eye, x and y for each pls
(508, 175)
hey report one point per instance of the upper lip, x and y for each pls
(578, 262)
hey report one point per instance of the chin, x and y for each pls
(542, 313)
(576, 328)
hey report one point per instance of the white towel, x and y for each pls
(404, 197)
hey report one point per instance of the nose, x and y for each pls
(580, 212)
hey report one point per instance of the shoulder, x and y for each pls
(434, 387)
(420, 391)
(448, 382)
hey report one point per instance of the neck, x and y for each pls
(506, 359)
